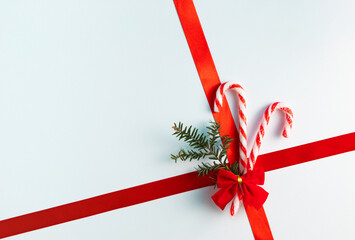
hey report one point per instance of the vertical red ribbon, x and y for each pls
(206, 69)
(210, 82)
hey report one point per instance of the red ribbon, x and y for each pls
(186, 182)
(175, 185)
(247, 184)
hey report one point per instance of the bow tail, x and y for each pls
(254, 195)
(225, 195)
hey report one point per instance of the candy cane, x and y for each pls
(265, 121)
(222, 89)
(244, 163)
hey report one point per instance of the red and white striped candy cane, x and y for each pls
(221, 91)
(265, 121)
(248, 163)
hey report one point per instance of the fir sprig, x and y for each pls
(211, 145)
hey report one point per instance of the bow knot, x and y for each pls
(243, 187)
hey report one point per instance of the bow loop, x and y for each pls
(228, 184)
(256, 177)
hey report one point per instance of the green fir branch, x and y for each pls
(210, 146)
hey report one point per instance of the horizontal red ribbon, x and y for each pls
(167, 187)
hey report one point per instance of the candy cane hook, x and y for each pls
(221, 91)
(265, 121)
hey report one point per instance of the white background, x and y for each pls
(89, 91)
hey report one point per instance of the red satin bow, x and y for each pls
(252, 194)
